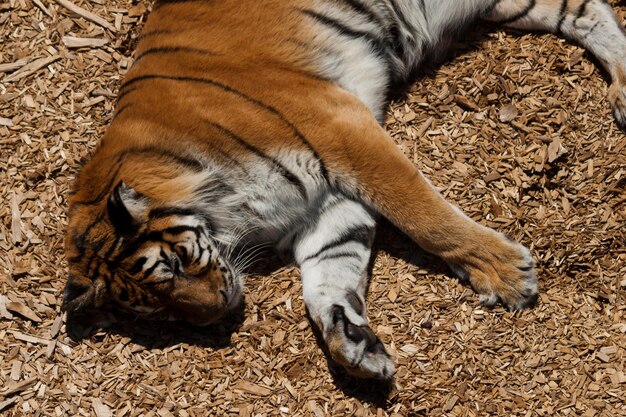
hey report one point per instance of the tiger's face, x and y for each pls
(146, 258)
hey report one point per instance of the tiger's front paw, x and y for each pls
(500, 270)
(357, 348)
(617, 98)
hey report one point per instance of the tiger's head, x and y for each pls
(147, 257)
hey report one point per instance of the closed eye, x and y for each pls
(182, 253)
(175, 265)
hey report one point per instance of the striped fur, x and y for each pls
(231, 137)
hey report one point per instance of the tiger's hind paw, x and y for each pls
(357, 348)
(500, 270)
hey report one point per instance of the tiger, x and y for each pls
(247, 124)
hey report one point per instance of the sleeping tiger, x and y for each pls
(245, 123)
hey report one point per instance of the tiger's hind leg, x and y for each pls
(333, 255)
(591, 23)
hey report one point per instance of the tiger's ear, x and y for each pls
(81, 293)
(126, 208)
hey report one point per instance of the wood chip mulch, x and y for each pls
(515, 129)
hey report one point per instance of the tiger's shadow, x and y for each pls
(152, 332)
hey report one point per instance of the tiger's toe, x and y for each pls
(357, 348)
(501, 271)
(617, 98)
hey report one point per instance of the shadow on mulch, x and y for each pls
(153, 333)
(373, 391)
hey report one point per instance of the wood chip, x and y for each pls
(466, 103)
(28, 338)
(4, 313)
(6, 122)
(556, 150)
(74, 42)
(86, 14)
(23, 310)
(39, 4)
(16, 224)
(7, 403)
(19, 387)
(32, 67)
(252, 388)
(101, 410)
(508, 113)
(56, 326)
(492, 176)
(10, 67)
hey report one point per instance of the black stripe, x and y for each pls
(124, 295)
(359, 234)
(391, 28)
(107, 188)
(174, 50)
(562, 15)
(88, 268)
(285, 172)
(269, 108)
(149, 271)
(339, 256)
(96, 272)
(423, 9)
(81, 242)
(343, 29)
(531, 5)
(120, 111)
(582, 9)
(400, 42)
(177, 230)
(155, 236)
(111, 249)
(401, 17)
(133, 247)
(234, 161)
(360, 8)
(180, 159)
(161, 212)
(123, 94)
(138, 265)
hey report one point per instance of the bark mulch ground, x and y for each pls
(515, 129)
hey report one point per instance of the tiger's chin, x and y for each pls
(234, 304)
(198, 314)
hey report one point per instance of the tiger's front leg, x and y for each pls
(591, 23)
(333, 254)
